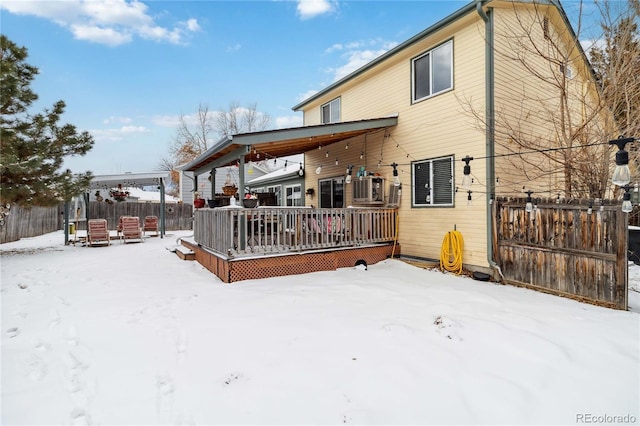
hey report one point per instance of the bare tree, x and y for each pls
(169, 165)
(616, 62)
(237, 119)
(193, 136)
(551, 120)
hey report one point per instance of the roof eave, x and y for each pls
(471, 7)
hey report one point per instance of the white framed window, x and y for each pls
(432, 72)
(293, 195)
(432, 182)
(331, 111)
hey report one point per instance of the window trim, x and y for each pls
(430, 52)
(329, 105)
(414, 203)
(286, 196)
(334, 180)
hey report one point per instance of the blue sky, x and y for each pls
(128, 70)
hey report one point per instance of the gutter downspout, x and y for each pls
(487, 17)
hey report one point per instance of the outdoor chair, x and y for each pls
(98, 232)
(119, 228)
(131, 229)
(151, 224)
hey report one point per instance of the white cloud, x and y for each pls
(109, 22)
(117, 134)
(166, 120)
(133, 129)
(286, 122)
(115, 119)
(356, 59)
(234, 48)
(306, 95)
(311, 8)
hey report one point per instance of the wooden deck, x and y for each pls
(265, 266)
(253, 243)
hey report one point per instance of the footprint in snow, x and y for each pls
(36, 368)
(13, 332)
(447, 328)
(164, 398)
(80, 417)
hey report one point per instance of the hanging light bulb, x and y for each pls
(529, 205)
(301, 171)
(590, 209)
(286, 162)
(250, 170)
(469, 201)
(428, 198)
(319, 169)
(627, 207)
(327, 154)
(336, 161)
(346, 146)
(396, 178)
(349, 172)
(466, 173)
(621, 174)
(361, 155)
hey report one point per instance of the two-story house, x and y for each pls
(427, 127)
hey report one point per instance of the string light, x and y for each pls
(621, 174)
(466, 173)
(336, 161)
(349, 172)
(627, 207)
(529, 205)
(396, 178)
(469, 201)
(319, 169)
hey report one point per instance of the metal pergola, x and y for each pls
(138, 180)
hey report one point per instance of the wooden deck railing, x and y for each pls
(273, 230)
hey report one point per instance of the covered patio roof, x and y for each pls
(283, 142)
(137, 180)
(129, 179)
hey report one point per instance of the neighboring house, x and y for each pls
(286, 184)
(136, 195)
(222, 176)
(416, 112)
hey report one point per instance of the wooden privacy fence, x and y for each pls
(25, 223)
(565, 249)
(177, 216)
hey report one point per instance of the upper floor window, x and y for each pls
(433, 182)
(433, 71)
(331, 112)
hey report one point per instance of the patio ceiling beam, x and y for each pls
(224, 160)
(258, 138)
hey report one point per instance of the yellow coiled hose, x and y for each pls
(451, 252)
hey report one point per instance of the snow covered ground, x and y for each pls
(130, 334)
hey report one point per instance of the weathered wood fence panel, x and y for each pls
(25, 223)
(564, 249)
(177, 216)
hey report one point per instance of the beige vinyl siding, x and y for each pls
(435, 127)
(529, 107)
